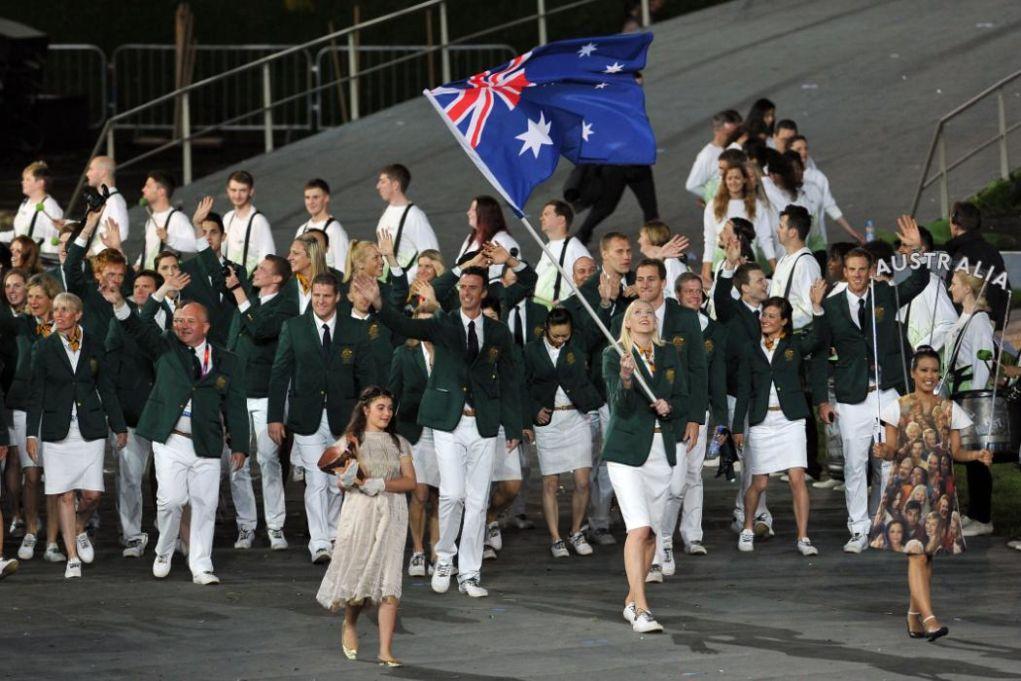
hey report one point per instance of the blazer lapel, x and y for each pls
(63, 353)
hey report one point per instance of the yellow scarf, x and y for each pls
(75, 339)
(770, 342)
(303, 282)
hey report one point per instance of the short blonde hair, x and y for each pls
(356, 255)
(65, 299)
(656, 231)
(975, 284)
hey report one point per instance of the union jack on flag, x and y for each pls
(577, 98)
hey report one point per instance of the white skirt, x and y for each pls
(18, 434)
(565, 443)
(423, 455)
(642, 490)
(506, 465)
(776, 444)
(74, 463)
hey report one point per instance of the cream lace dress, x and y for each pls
(368, 556)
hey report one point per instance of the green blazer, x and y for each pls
(208, 287)
(381, 341)
(682, 331)
(312, 380)
(585, 332)
(757, 374)
(491, 377)
(629, 433)
(408, 378)
(19, 336)
(742, 328)
(132, 370)
(254, 336)
(82, 283)
(714, 339)
(570, 373)
(88, 388)
(216, 398)
(445, 288)
(853, 346)
(535, 320)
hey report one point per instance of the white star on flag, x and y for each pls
(536, 136)
(586, 130)
(615, 67)
(587, 50)
(600, 86)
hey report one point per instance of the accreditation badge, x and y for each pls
(93, 365)
(788, 355)
(373, 330)
(569, 358)
(670, 375)
(678, 342)
(880, 312)
(493, 354)
(346, 355)
(708, 345)
(538, 331)
(221, 382)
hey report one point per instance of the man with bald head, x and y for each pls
(115, 212)
(584, 267)
(196, 382)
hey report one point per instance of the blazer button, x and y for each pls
(322, 392)
(464, 388)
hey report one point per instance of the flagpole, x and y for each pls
(474, 156)
(875, 358)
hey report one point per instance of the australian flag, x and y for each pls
(576, 98)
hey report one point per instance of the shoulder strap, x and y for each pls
(400, 229)
(563, 259)
(248, 237)
(166, 227)
(790, 277)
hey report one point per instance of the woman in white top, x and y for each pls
(735, 198)
(970, 341)
(485, 218)
(785, 185)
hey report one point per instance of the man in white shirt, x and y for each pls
(166, 227)
(101, 172)
(405, 222)
(317, 203)
(929, 318)
(784, 131)
(247, 234)
(555, 222)
(705, 166)
(39, 213)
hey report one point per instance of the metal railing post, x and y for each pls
(352, 67)
(110, 142)
(944, 190)
(540, 13)
(1002, 115)
(267, 112)
(646, 14)
(186, 138)
(444, 44)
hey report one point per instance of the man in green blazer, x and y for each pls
(199, 388)
(472, 391)
(109, 269)
(259, 317)
(857, 319)
(322, 362)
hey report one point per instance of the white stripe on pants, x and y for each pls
(465, 460)
(269, 464)
(857, 424)
(600, 488)
(132, 464)
(322, 495)
(184, 478)
(746, 474)
(685, 492)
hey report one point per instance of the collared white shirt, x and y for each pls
(428, 358)
(73, 356)
(774, 399)
(703, 321)
(517, 311)
(199, 351)
(263, 299)
(355, 314)
(465, 319)
(853, 305)
(757, 309)
(330, 323)
(660, 315)
(560, 399)
(801, 271)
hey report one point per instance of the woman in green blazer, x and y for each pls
(639, 444)
(770, 394)
(72, 408)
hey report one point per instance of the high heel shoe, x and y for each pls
(390, 662)
(914, 634)
(349, 653)
(935, 633)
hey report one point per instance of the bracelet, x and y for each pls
(235, 287)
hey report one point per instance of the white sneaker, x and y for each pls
(695, 548)
(27, 548)
(840, 487)
(857, 543)
(787, 478)
(73, 569)
(829, 483)
(205, 579)
(559, 549)
(85, 551)
(763, 527)
(471, 588)
(161, 566)
(805, 548)
(277, 541)
(416, 566)
(136, 546)
(966, 520)
(54, 554)
(976, 529)
(245, 539)
(493, 536)
(8, 567)
(630, 612)
(578, 543)
(17, 528)
(645, 623)
(488, 552)
(746, 542)
(667, 564)
(441, 577)
(321, 556)
(1014, 544)
(655, 575)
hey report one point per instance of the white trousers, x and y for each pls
(465, 460)
(600, 488)
(132, 465)
(746, 475)
(322, 495)
(245, 510)
(184, 478)
(857, 425)
(685, 492)
(270, 472)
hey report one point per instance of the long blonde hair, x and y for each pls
(356, 255)
(316, 255)
(625, 339)
(722, 198)
(974, 284)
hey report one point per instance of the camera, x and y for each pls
(95, 200)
